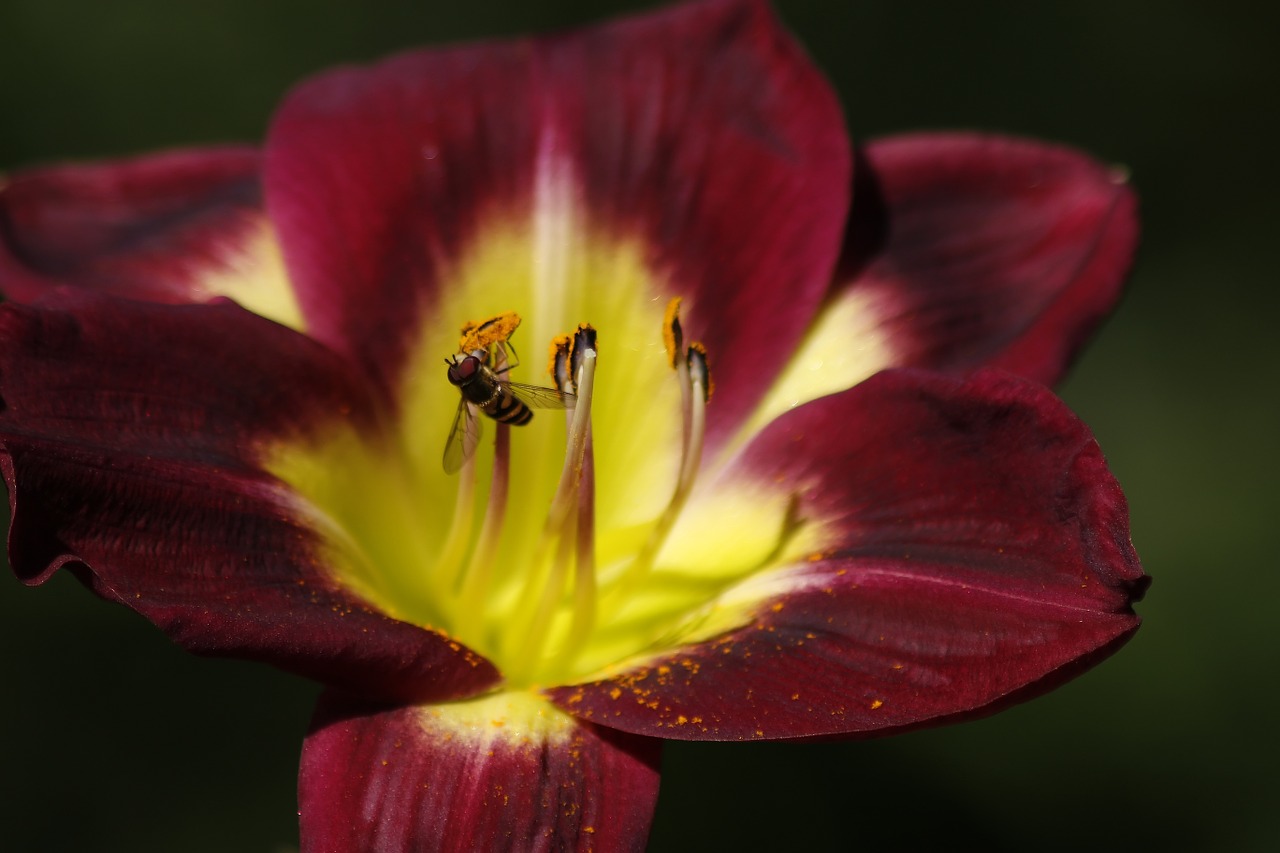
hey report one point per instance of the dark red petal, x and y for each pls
(130, 436)
(983, 250)
(702, 130)
(416, 779)
(148, 228)
(982, 556)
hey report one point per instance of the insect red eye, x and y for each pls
(461, 371)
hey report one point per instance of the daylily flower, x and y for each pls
(224, 406)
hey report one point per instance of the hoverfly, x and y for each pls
(488, 390)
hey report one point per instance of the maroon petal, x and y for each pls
(130, 441)
(442, 778)
(183, 226)
(980, 250)
(981, 555)
(702, 132)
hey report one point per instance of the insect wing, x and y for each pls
(464, 438)
(538, 397)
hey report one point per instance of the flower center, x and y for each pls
(560, 599)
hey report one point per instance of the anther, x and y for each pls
(483, 334)
(699, 373)
(558, 366)
(584, 341)
(672, 334)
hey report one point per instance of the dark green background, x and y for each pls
(112, 739)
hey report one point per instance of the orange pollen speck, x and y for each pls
(876, 704)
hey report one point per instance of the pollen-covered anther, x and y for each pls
(699, 372)
(698, 377)
(672, 334)
(584, 346)
(558, 363)
(483, 334)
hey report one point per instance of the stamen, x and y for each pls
(583, 614)
(479, 574)
(695, 392)
(564, 529)
(476, 336)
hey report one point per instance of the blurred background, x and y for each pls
(112, 739)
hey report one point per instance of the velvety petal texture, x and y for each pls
(183, 226)
(700, 133)
(974, 250)
(472, 777)
(134, 457)
(979, 554)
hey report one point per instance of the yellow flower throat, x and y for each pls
(560, 553)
